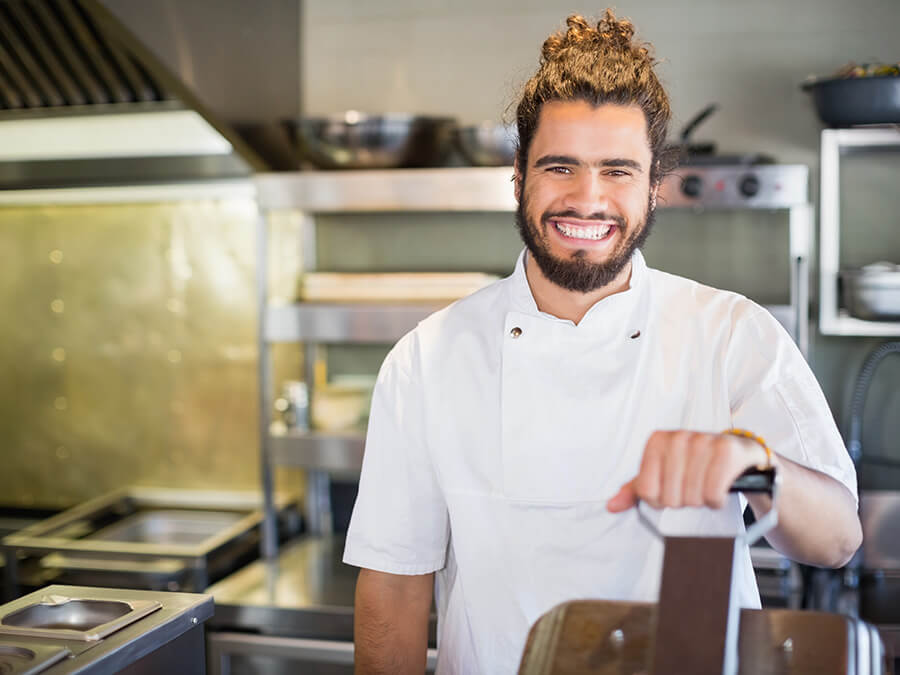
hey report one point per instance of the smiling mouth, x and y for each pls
(587, 232)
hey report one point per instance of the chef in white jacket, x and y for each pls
(512, 433)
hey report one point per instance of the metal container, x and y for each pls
(873, 292)
(151, 538)
(354, 140)
(75, 618)
(488, 144)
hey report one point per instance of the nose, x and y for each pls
(587, 194)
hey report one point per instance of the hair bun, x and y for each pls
(609, 36)
(615, 31)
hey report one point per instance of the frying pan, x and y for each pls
(849, 101)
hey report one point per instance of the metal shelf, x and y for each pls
(352, 323)
(490, 189)
(835, 142)
(379, 323)
(337, 452)
(863, 138)
(457, 189)
(844, 324)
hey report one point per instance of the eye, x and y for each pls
(564, 170)
(617, 173)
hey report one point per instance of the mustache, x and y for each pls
(600, 216)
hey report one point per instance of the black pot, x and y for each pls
(848, 101)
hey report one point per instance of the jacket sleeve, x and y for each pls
(399, 523)
(774, 393)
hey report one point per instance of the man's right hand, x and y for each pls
(390, 622)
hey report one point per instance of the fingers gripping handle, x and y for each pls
(755, 480)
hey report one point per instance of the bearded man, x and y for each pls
(512, 434)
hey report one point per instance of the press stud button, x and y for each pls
(515, 332)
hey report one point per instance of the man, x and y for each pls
(512, 433)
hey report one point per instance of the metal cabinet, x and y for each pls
(836, 143)
(249, 654)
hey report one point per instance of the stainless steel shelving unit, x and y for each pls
(776, 187)
(834, 143)
(435, 190)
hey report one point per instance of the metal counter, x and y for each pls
(272, 616)
(170, 638)
(306, 592)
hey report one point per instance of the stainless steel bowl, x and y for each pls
(488, 144)
(355, 140)
(873, 292)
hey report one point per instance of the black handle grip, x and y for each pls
(755, 479)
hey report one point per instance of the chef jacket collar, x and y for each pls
(618, 306)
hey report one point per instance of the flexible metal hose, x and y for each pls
(863, 380)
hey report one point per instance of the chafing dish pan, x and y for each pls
(63, 617)
(149, 538)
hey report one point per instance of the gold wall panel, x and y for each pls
(129, 349)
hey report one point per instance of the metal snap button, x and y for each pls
(515, 332)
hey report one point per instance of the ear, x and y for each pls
(517, 180)
(654, 187)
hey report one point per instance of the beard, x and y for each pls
(578, 273)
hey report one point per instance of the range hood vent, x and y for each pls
(53, 54)
(84, 102)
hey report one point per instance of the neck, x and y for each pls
(563, 303)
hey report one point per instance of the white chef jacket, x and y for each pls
(498, 432)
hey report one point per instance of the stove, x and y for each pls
(736, 185)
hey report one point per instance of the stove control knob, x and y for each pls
(692, 186)
(749, 185)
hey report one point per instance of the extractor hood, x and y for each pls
(85, 100)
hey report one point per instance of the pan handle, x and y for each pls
(757, 480)
(695, 122)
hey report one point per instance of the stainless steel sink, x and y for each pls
(63, 617)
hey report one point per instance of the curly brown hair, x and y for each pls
(597, 64)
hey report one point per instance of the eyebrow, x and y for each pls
(567, 160)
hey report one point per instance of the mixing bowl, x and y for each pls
(488, 144)
(354, 140)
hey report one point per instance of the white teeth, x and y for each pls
(592, 232)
